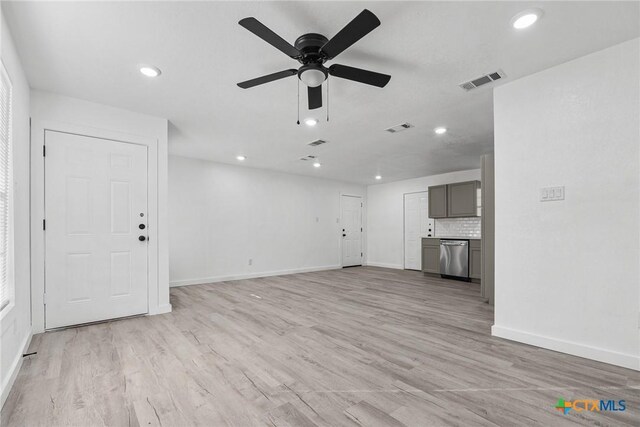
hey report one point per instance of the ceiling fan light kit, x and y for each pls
(312, 75)
(313, 50)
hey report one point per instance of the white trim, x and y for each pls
(15, 368)
(630, 361)
(39, 128)
(161, 309)
(385, 265)
(216, 279)
(10, 260)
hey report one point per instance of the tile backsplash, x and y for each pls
(458, 227)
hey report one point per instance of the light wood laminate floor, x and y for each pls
(360, 346)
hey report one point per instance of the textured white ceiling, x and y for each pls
(92, 51)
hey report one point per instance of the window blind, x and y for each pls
(6, 281)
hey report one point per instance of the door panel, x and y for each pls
(95, 194)
(120, 207)
(417, 225)
(462, 199)
(120, 274)
(351, 231)
(431, 259)
(438, 201)
(77, 194)
(475, 263)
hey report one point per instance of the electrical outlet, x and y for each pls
(551, 194)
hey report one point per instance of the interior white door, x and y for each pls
(417, 225)
(351, 231)
(96, 214)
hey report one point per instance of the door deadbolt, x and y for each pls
(142, 226)
(142, 238)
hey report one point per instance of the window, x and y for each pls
(6, 178)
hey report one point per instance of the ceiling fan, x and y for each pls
(313, 50)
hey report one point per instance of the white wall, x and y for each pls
(15, 320)
(385, 215)
(567, 272)
(221, 215)
(61, 113)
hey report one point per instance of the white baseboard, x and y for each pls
(630, 361)
(14, 369)
(166, 308)
(385, 265)
(216, 279)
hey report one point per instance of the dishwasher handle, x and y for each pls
(454, 242)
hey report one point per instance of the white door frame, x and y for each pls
(38, 131)
(404, 225)
(364, 228)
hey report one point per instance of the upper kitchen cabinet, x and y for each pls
(462, 199)
(457, 200)
(438, 201)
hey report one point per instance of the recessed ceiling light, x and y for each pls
(150, 71)
(241, 158)
(440, 130)
(316, 164)
(310, 122)
(526, 18)
(378, 177)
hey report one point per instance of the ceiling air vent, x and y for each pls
(306, 158)
(317, 142)
(399, 128)
(483, 80)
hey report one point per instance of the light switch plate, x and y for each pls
(551, 194)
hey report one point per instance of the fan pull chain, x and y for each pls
(298, 101)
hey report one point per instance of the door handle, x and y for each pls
(344, 235)
(142, 238)
(142, 226)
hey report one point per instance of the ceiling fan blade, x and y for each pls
(268, 78)
(315, 97)
(262, 31)
(359, 75)
(361, 25)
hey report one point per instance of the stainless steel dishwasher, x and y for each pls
(454, 259)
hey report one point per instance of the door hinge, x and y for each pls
(360, 254)
(44, 151)
(44, 224)
(361, 229)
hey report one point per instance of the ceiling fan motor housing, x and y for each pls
(309, 46)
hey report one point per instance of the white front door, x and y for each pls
(96, 214)
(417, 225)
(351, 231)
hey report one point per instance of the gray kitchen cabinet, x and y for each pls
(438, 201)
(462, 199)
(431, 255)
(475, 259)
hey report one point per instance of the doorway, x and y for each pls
(96, 229)
(417, 225)
(351, 219)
